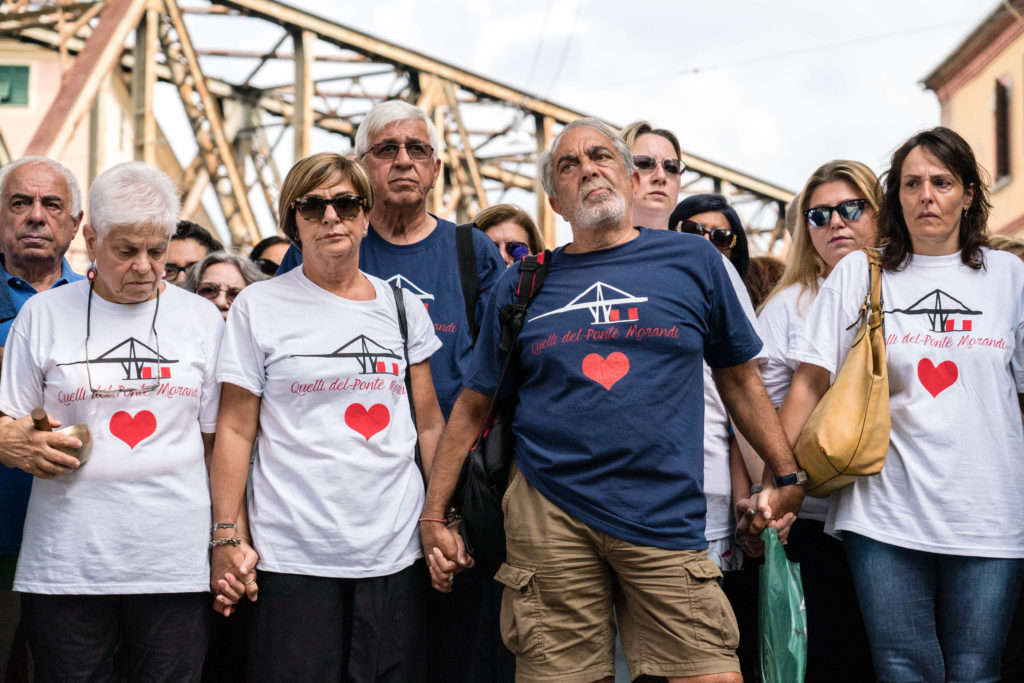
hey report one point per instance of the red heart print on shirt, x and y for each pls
(606, 371)
(937, 378)
(367, 422)
(130, 429)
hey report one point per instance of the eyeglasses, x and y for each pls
(646, 163)
(172, 270)
(123, 391)
(417, 151)
(850, 210)
(266, 266)
(314, 208)
(516, 251)
(210, 291)
(723, 238)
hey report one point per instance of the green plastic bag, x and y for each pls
(782, 618)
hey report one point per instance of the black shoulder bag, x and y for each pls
(484, 476)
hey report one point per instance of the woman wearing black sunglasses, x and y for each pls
(835, 215)
(712, 216)
(315, 359)
(656, 155)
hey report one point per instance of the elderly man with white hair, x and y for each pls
(114, 554)
(40, 211)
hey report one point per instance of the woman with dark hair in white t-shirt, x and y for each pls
(936, 559)
(315, 358)
(115, 550)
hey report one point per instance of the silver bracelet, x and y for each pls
(228, 540)
(223, 525)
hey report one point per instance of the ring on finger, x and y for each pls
(250, 581)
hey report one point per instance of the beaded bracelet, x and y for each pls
(229, 540)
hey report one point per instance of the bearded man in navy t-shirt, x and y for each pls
(605, 501)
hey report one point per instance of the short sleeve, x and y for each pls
(209, 401)
(242, 361)
(731, 338)
(21, 385)
(485, 364)
(827, 333)
(489, 266)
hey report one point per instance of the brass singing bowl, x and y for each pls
(80, 432)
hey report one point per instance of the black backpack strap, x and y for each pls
(468, 275)
(403, 325)
(532, 270)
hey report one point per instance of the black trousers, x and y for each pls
(312, 628)
(837, 644)
(162, 637)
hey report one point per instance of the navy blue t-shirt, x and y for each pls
(430, 270)
(609, 425)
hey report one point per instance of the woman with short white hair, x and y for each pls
(115, 547)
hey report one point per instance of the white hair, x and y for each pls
(621, 147)
(390, 112)
(133, 194)
(76, 189)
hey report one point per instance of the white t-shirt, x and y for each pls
(135, 517)
(782, 321)
(335, 487)
(953, 479)
(717, 476)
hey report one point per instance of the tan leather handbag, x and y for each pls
(847, 435)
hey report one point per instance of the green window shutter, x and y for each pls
(14, 85)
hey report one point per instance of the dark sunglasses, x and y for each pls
(722, 238)
(313, 208)
(172, 270)
(517, 251)
(266, 266)
(418, 151)
(850, 210)
(211, 291)
(646, 163)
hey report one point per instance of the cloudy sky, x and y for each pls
(770, 88)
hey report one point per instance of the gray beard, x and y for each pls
(604, 214)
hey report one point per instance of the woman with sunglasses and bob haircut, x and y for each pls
(115, 544)
(512, 230)
(656, 155)
(936, 555)
(712, 216)
(836, 215)
(315, 359)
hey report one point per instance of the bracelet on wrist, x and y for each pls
(433, 519)
(227, 540)
(223, 525)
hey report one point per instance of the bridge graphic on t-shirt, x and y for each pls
(369, 354)
(402, 282)
(601, 300)
(939, 306)
(135, 366)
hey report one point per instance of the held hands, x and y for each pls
(24, 447)
(232, 576)
(445, 552)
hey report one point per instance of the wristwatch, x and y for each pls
(798, 478)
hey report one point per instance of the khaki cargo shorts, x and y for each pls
(563, 577)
